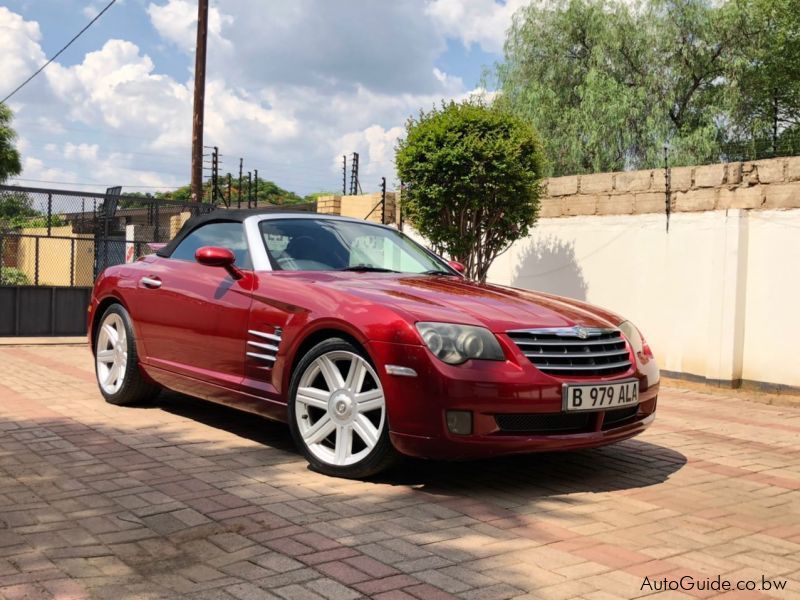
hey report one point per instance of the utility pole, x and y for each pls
(249, 189)
(230, 188)
(199, 100)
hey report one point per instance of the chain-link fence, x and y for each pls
(65, 238)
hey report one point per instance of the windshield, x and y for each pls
(333, 245)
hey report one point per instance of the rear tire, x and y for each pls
(337, 412)
(116, 363)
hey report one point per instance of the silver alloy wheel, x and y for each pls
(352, 404)
(112, 354)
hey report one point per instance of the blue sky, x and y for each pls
(292, 84)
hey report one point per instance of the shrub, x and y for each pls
(13, 276)
(472, 175)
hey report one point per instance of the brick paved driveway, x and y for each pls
(188, 499)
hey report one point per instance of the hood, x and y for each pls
(451, 299)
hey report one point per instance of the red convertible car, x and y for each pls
(366, 343)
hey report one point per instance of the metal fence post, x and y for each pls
(256, 187)
(53, 310)
(72, 262)
(36, 263)
(49, 214)
(157, 233)
(2, 256)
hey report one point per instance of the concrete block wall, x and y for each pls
(764, 184)
(362, 206)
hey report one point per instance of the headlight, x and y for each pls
(455, 344)
(636, 340)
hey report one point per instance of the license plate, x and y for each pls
(600, 396)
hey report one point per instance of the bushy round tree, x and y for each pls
(472, 177)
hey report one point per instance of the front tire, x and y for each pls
(116, 362)
(337, 412)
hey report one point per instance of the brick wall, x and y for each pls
(763, 184)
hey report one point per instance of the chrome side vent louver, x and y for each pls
(264, 345)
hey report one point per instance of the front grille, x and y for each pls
(544, 422)
(574, 351)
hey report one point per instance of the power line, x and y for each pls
(57, 54)
(92, 184)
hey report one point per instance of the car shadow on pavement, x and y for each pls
(244, 424)
(630, 464)
(626, 465)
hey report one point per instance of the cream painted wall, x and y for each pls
(773, 298)
(714, 297)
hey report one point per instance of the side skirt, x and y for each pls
(197, 388)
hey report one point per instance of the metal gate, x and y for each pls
(54, 243)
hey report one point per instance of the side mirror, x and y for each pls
(454, 264)
(213, 256)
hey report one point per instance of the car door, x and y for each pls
(193, 317)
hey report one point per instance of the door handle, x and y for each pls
(150, 282)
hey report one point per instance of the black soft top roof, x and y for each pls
(222, 216)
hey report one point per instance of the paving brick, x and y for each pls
(333, 590)
(327, 555)
(376, 586)
(248, 591)
(297, 592)
(342, 572)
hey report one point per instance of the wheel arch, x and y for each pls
(102, 307)
(313, 336)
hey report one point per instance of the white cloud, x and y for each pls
(482, 22)
(92, 9)
(176, 21)
(375, 146)
(83, 151)
(20, 52)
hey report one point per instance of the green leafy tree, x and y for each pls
(472, 175)
(16, 209)
(607, 84)
(765, 74)
(9, 156)
(17, 212)
(267, 192)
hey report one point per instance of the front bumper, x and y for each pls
(417, 406)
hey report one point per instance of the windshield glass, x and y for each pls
(331, 245)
